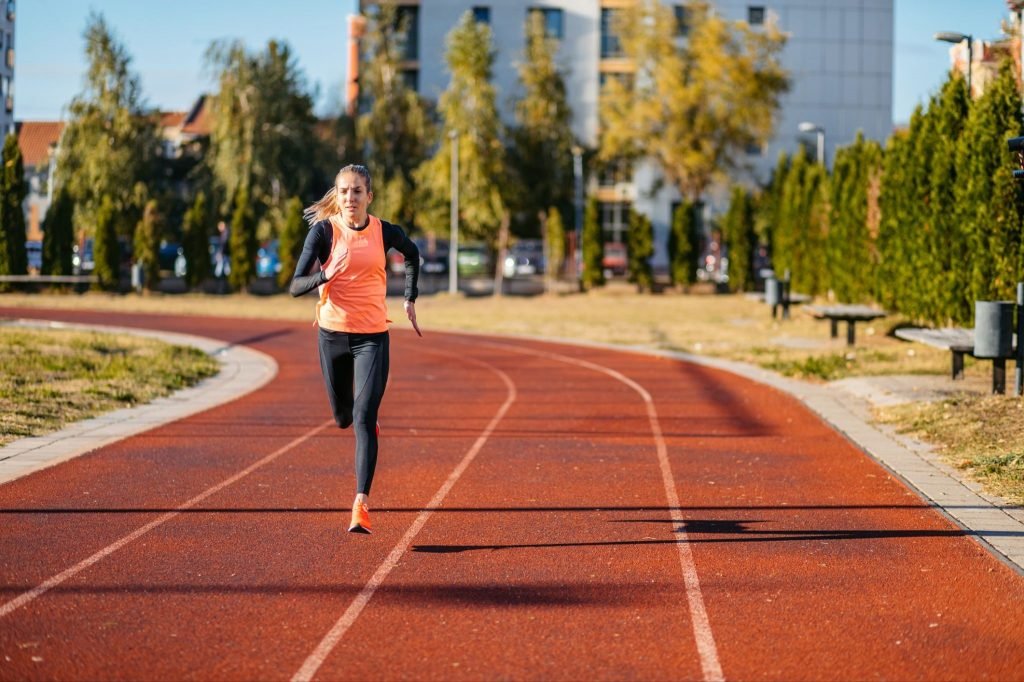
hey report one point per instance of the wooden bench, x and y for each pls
(851, 314)
(959, 342)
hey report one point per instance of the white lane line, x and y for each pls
(706, 648)
(49, 584)
(331, 639)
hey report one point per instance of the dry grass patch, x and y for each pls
(982, 436)
(51, 378)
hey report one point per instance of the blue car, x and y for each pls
(268, 264)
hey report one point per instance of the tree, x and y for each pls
(988, 197)
(640, 248)
(470, 114)
(683, 240)
(541, 150)
(694, 106)
(554, 240)
(738, 234)
(58, 234)
(850, 242)
(242, 242)
(799, 238)
(105, 249)
(263, 138)
(13, 190)
(196, 241)
(146, 244)
(110, 140)
(290, 241)
(592, 247)
(396, 129)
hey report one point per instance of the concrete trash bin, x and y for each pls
(772, 291)
(993, 329)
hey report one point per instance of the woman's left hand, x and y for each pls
(410, 311)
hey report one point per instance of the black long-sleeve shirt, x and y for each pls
(317, 249)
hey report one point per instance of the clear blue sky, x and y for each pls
(167, 39)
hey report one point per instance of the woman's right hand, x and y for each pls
(337, 260)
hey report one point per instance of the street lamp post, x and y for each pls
(577, 172)
(956, 38)
(808, 127)
(453, 241)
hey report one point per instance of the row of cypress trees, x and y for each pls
(923, 227)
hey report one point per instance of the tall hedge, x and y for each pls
(58, 235)
(196, 241)
(13, 189)
(146, 244)
(640, 248)
(683, 241)
(290, 240)
(105, 249)
(242, 243)
(593, 247)
(740, 238)
(849, 244)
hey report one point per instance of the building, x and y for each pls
(6, 67)
(839, 55)
(39, 141)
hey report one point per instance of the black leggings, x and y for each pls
(355, 368)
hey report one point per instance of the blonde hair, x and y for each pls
(327, 205)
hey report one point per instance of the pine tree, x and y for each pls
(849, 244)
(146, 244)
(592, 247)
(196, 242)
(242, 243)
(640, 248)
(13, 190)
(290, 240)
(682, 245)
(105, 248)
(739, 236)
(58, 234)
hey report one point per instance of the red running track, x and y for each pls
(540, 511)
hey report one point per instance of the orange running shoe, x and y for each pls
(360, 519)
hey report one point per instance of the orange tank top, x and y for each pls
(354, 300)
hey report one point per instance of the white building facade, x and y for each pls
(6, 66)
(839, 56)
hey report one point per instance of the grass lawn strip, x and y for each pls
(52, 378)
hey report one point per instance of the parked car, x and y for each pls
(268, 263)
(474, 260)
(433, 261)
(525, 258)
(34, 249)
(82, 262)
(615, 261)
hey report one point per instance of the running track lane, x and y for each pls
(554, 555)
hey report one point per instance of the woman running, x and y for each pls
(350, 246)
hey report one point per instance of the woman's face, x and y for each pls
(353, 198)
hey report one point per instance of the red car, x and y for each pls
(614, 260)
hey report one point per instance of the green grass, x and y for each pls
(51, 378)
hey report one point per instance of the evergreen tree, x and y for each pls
(739, 236)
(58, 234)
(891, 241)
(987, 196)
(555, 243)
(469, 112)
(592, 247)
(290, 240)
(769, 205)
(948, 245)
(196, 242)
(798, 239)
(13, 190)
(242, 243)
(110, 141)
(106, 250)
(640, 248)
(541, 151)
(683, 241)
(396, 129)
(146, 244)
(850, 244)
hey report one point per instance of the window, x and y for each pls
(411, 79)
(754, 149)
(10, 10)
(9, 99)
(408, 17)
(682, 20)
(10, 57)
(755, 15)
(481, 14)
(626, 79)
(611, 47)
(552, 20)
